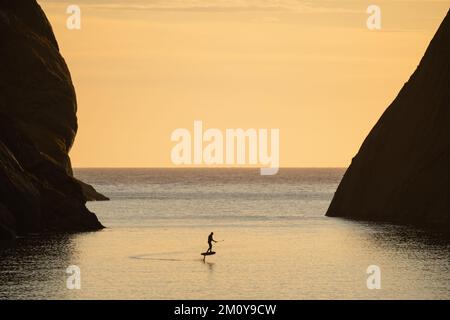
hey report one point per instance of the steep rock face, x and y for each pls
(37, 128)
(402, 171)
(36, 83)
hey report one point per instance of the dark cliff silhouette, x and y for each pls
(402, 171)
(38, 123)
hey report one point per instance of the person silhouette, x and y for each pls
(210, 241)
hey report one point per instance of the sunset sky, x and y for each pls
(144, 68)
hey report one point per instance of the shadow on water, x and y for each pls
(35, 266)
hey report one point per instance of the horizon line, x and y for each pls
(181, 167)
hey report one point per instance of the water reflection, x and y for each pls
(416, 259)
(210, 265)
(326, 258)
(390, 236)
(35, 266)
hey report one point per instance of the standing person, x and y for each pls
(210, 241)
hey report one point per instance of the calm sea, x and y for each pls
(276, 243)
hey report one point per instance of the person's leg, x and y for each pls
(210, 247)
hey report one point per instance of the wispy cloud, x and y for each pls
(212, 5)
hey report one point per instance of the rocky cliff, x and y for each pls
(402, 171)
(38, 123)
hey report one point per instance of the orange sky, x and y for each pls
(144, 68)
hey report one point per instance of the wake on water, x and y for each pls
(159, 256)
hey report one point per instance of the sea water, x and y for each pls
(276, 243)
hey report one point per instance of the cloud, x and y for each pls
(210, 5)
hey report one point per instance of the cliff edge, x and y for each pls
(401, 173)
(38, 124)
